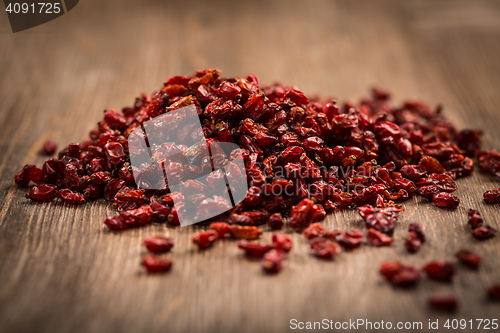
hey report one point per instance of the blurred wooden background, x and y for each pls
(62, 271)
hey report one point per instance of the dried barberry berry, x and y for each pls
(400, 275)
(254, 249)
(492, 196)
(412, 242)
(313, 230)
(350, 239)
(484, 232)
(245, 232)
(70, 197)
(282, 242)
(158, 244)
(43, 193)
(49, 148)
(155, 264)
(273, 261)
(446, 201)
(276, 221)
(469, 258)
(440, 270)
(205, 239)
(377, 238)
(222, 228)
(323, 248)
(474, 220)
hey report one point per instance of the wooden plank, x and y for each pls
(62, 271)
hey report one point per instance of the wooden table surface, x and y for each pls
(62, 271)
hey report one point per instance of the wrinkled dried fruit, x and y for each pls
(205, 239)
(377, 238)
(43, 193)
(49, 148)
(254, 249)
(469, 258)
(70, 197)
(154, 264)
(440, 270)
(350, 239)
(446, 201)
(245, 232)
(400, 275)
(158, 244)
(273, 261)
(412, 242)
(492, 196)
(276, 221)
(305, 213)
(313, 230)
(484, 232)
(475, 220)
(282, 242)
(222, 228)
(323, 248)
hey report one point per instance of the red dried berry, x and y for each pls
(222, 228)
(273, 261)
(115, 223)
(431, 165)
(417, 229)
(254, 249)
(282, 242)
(446, 201)
(443, 302)
(350, 239)
(70, 197)
(245, 232)
(492, 197)
(474, 219)
(377, 238)
(49, 148)
(43, 193)
(406, 277)
(137, 217)
(323, 248)
(484, 232)
(205, 239)
(154, 264)
(305, 213)
(276, 221)
(158, 244)
(412, 242)
(399, 275)
(381, 222)
(469, 258)
(440, 270)
(313, 230)
(28, 173)
(253, 197)
(429, 192)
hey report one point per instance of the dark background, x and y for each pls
(62, 271)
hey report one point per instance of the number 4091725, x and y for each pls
(33, 8)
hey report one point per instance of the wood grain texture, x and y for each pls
(62, 271)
